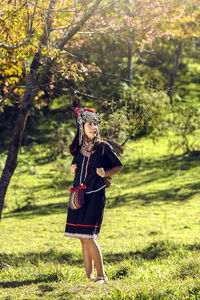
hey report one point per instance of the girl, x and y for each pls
(93, 160)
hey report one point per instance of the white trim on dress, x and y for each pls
(82, 169)
(96, 190)
(81, 235)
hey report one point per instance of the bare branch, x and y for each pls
(93, 32)
(70, 54)
(77, 92)
(6, 46)
(33, 16)
(143, 115)
(82, 32)
(65, 9)
(2, 99)
(30, 31)
(73, 30)
(61, 28)
(108, 5)
(76, 10)
(71, 8)
(48, 24)
(45, 19)
(14, 12)
(74, 20)
(28, 15)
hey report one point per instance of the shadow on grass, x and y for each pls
(41, 278)
(180, 194)
(170, 162)
(36, 210)
(155, 250)
(31, 208)
(156, 170)
(35, 258)
(161, 249)
(58, 183)
(161, 170)
(150, 171)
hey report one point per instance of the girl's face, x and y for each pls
(91, 129)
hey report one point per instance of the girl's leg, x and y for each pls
(95, 253)
(87, 258)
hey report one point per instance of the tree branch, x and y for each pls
(33, 16)
(65, 9)
(48, 24)
(14, 12)
(74, 29)
(2, 99)
(30, 31)
(143, 114)
(9, 47)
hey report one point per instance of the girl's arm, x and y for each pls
(110, 160)
(101, 172)
(73, 168)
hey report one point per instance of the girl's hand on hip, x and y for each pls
(101, 172)
(73, 168)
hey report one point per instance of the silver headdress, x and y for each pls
(84, 115)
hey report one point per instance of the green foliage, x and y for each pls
(116, 124)
(184, 122)
(59, 140)
(140, 110)
(27, 203)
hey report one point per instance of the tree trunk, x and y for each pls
(130, 56)
(11, 161)
(175, 70)
(27, 103)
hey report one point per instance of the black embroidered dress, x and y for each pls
(85, 222)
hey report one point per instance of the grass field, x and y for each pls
(149, 239)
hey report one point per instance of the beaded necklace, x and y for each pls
(86, 150)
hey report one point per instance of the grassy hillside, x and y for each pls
(149, 239)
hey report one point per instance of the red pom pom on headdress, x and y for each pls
(77, 111)
(85, 108)
(90, 109)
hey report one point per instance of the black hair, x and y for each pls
(74, 147)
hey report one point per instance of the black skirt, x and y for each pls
(85, 222)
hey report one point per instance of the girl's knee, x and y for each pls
(86, 241)
(83, 241)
